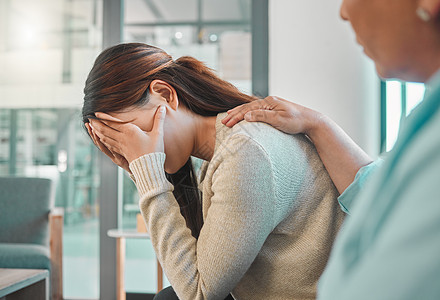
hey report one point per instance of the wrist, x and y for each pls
(134, 156)
(148, 172)
(315, 123)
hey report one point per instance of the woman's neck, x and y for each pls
(204, 138)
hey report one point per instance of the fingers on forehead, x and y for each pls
(102, 126)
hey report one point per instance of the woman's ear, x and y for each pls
(165, 91)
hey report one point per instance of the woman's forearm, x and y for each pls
(341, 156)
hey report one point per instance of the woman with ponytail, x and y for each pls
(260, 219)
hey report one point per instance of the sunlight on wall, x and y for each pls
(414, 95)
(394, 111)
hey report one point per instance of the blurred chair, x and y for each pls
(31, 230)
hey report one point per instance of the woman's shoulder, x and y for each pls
(243, 141)
(260, 135)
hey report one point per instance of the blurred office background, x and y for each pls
(278, 47)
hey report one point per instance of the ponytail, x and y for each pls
(200, 89)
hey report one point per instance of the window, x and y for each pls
(398, 100)
(46, 51)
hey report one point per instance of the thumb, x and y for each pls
(261, 115)
(159, 120)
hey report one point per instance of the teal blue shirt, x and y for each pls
(389, 246)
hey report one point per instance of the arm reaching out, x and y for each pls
(341, 156)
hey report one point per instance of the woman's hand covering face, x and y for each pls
(115, 157)
(124, 142)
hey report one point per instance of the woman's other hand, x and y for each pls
(115, 157)
(282, 114)
(127, 139)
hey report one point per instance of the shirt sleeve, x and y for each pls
(238, 221)
(348, 197)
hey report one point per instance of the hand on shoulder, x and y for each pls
(282, 114)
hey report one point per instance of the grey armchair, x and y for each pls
(31, 229)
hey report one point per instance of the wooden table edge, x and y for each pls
(35, 276)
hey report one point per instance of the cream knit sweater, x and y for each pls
(270, 217)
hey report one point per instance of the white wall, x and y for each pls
(314, 60)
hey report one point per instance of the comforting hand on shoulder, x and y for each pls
(127, 139)
(282, 114)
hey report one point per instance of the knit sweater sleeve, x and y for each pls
(238, 221)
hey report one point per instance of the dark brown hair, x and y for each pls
(120, 79)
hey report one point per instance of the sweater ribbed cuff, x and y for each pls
(132, 177)
(149, 173)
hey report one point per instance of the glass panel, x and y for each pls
(176, 10)
(49, 143)
(394, 112)
(222, 39)
(36, 143)
(226, 10)
(5, 119)
(154, 11)
(138, 11)
(48, 48)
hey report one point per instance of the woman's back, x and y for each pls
(271, 186)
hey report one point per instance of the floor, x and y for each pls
(81, 263)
